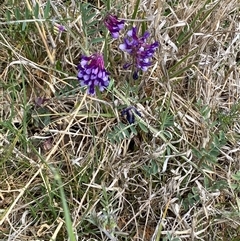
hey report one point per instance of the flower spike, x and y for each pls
(92, 73)
(139, 49)
(113, 25)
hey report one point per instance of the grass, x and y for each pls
(72, 168)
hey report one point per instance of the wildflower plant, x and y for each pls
(139, 49)
(91, 70)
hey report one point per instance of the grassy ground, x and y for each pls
(71, 166)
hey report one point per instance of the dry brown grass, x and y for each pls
(175, 182)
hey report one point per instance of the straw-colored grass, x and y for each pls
(71, 166)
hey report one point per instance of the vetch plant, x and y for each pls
(139, 49)
(114, 25)
(92, 73)
(91, 70)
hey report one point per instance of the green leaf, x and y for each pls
(218, 185)
(17, 13)
(143, 127)
(151, 168)
(47, 10)
(121, 132)
(8, 15)
(66, 210)
(133, 129)
(236, 176)
(27, 14)
(24, 24)
(90, 17)
(97, 40)
(234, 186)
(136, 9)
(36, 10)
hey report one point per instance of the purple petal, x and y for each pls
(115, 34)
(122, 47)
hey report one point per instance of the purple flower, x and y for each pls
(61, 28)
(139, 49)
(92, 73)
(128, 112)
(113, 25)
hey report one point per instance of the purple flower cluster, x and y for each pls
(139, 49)
(92, 73)
(113, 25)
(91, 70)
(129, 113)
